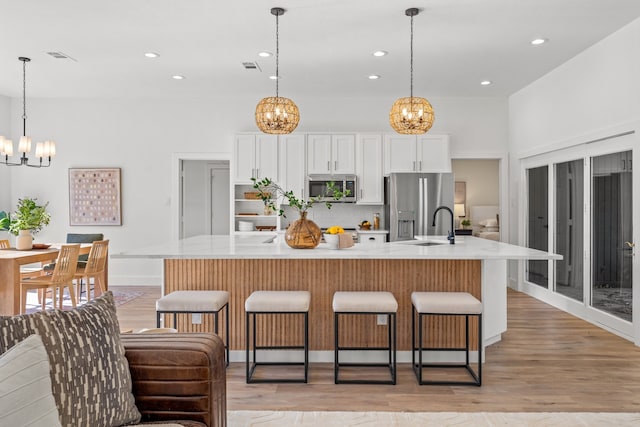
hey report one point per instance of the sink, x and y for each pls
(430, 244)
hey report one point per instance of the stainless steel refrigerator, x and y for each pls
(410, 201)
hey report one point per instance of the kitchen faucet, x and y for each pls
(450, 236)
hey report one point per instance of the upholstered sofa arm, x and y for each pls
(178, 376)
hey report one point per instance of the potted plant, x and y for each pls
(28, 219)
(465, 223)
(302, 233)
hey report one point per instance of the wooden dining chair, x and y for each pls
(60, 278)
(4, 244)
(94, 269)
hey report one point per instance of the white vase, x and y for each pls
(333, 240)
(24, 241)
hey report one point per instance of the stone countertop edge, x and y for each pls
(255, 247)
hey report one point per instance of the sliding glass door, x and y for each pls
(611, 234)
(538, 223)
(579, 203)
(569, 228)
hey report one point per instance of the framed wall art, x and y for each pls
(94, 196)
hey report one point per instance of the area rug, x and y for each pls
(120, 297)
(430, 419)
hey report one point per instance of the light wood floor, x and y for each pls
(547, 361)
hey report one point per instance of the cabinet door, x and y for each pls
(433, 153)
(266, 150)
(369, 169)
(319, 154)
(292, 157)
(343, 154)
(400, 153)
(244, 158)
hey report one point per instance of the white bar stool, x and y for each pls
(275, 302)
(365, 303)
(445, 304)
(210, 302)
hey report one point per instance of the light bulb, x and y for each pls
(39, 149)
(24, 146)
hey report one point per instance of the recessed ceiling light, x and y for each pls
(265, 54)
(275, 77)
(486, 82)
(374, 77)
(177, 77)
(380, 53)
(151, 54)
(536, 42)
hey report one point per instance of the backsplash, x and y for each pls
(347, 215)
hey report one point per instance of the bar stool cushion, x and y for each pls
(193, 301)
(278, 301)
(446, 303)
(363, 302)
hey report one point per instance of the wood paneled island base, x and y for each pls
(323, 277)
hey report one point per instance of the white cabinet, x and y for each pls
(369, 169)
(421, 153)
(292, 160)
(331, 154)
(255, 156)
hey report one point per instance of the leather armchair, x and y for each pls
(178, 377)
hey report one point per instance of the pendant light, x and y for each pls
(45, 149)
(412, 115)
(277, 115)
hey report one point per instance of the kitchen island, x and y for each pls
(242, 264)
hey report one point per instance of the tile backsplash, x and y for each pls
(347, 215)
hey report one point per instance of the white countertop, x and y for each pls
(256, 246)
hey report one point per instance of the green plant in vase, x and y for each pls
(28, 218)
(302, 233)
(465, 223)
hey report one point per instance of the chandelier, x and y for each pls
(274, 114)
(46, 149)
(412, 115)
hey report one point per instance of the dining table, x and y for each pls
(10, 261)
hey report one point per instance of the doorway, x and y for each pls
(204, 197)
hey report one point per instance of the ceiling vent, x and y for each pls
(251, 66)
(60, 55)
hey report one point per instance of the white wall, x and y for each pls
(482, 178)
(140, 136)
(5, 176)
(594, 95)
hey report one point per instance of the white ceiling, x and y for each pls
(325, 45)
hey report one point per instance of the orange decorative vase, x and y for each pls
(303, 233)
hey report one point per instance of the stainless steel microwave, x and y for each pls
(317, 186)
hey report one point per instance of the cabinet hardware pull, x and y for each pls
(328, 165)
(335, 165)
(420, 165)
(623, 165)
(414, 165)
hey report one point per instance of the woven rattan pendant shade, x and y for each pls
(277, 115)
(412, 115)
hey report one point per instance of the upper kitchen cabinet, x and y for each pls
(416, 153)
(255, 156)
(331, 154)
(369, 169)
(292, 159)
